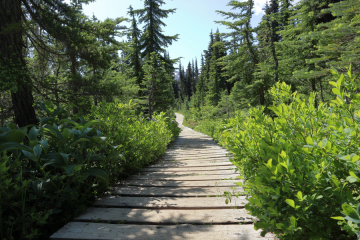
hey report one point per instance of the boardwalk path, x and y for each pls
(174, 199)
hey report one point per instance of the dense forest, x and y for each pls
(85, 103)
(297, 44)
(284, 98)
(81, 108)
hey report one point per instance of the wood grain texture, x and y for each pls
(172, 191)
(188, 177)
(103, 231)
(170, 202)
(159, 183)
(168, 216)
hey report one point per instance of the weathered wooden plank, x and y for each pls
(104, 231)
(211, 151)
(195, 153)
(177, 169)
(172, 191)
(152, 183)
(187, 178)
(198, 162)
(186, 173)
(181, 164)
(170, 202)
(214, 146)
(171, 216)
(208, 158)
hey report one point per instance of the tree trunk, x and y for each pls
(253, 55)
(273, 51)
(313, 87)
(13, 61)
(74, 82)
(22, 101)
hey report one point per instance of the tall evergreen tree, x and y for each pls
(19, 21)
(154, 42)
(241, 23)
(135, 52)
(153, 39)
(298, 47)
(189, 81)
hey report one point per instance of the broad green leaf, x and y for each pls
(28, 155)
(333, 83)
(72, 168)
(261, 225)
(70, 121)
(290, 202)
(280, 226)
(77, 141)
(269, 163)
(98, 172)
(350, 213)
(299, 195)
(45, 145)
(324, 142)
(56, 112)
(293, 221)
(355, 158)
(336, 91)
(44, 120)
(37, 151)
(58, 160)
(54, 132)
(12, 126)
(352, 179)
(14, 146)
(66, 133)
(33, 132)
(43, 107)
(93, 122)
(16, 136)
(309, 140)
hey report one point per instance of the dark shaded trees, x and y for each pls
(68, 32)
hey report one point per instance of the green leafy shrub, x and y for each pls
(351, 219)
(300, 166)
(139, 141)
(47, 173)
(52, 172)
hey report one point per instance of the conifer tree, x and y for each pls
(134, 56)
(214, 78)
(298, 47)
(241, 23)
(63, 23)
(196, 72)
(189, 81)
(153, 42)
(153, 39)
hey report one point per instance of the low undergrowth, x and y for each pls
(300, 163)
(51, 172)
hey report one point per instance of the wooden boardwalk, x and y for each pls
(178, 198)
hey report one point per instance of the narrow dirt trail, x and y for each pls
(178, 198)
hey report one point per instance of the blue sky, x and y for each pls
(193, 20)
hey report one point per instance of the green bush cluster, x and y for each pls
(139, 141)
(51, 172)
(301, 164)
